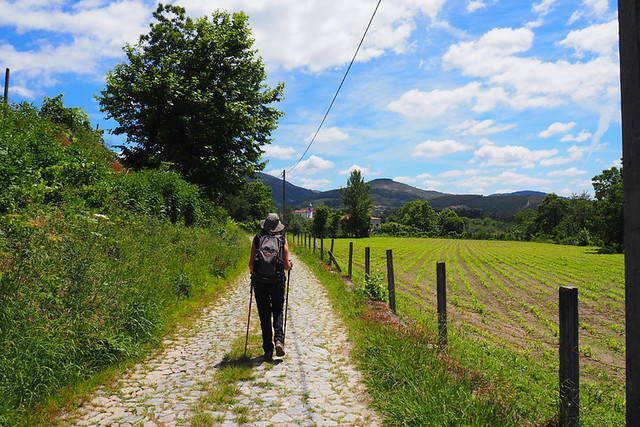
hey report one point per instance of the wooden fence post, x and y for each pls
(350, 259)
(332, 245)
(367, 265)
(314, 245)
(569, 358)
(441, 279)
(322, 249)
(335, 261)
(391, 281)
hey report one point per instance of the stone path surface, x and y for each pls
(314, 384)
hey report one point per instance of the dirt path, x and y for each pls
(314, 384)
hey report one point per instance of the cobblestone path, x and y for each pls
(315, 383)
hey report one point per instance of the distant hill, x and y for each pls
(388, 194)
(522, 193)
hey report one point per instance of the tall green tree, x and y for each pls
(419, 214)
(358, 203)
(320, 221)
(192, 94)
(609, 208)
(450, 223)
(551, 212)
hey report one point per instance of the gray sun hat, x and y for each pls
(272, 224)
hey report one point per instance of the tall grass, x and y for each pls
(81, 292)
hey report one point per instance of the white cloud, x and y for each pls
(479, 128)
(556, 128)
(419, 104)
(598, 7)
(431, 148)
(313, 184)
(474, 5)
(531, 82)
(313, 165)
(506, 178)
(544, 7)
(601, 39)
(333, 134)
(567, 172)
(320, 35)
(510, 155)
(582, 136)
(365, 171)
(278, 152)
(573, 153)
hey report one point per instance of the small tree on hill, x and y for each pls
(320, 221)
(357, 200)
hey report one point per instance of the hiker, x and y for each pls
(268, 281)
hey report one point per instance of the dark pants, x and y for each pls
(270, 301)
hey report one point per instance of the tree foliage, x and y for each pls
(609, 208)
(192, 94)
(321, 221)
(252, 202)
(358, 203)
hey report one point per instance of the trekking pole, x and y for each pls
(286, 305)
(246, 341)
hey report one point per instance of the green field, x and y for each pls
(506, 294)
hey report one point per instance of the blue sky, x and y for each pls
(459, 96)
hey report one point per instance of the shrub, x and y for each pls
(374, 288)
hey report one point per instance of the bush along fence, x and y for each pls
(569, 368)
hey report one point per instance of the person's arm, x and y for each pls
(287, 262)
(253, 254)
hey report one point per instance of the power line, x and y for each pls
(339, 87)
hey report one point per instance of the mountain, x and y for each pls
(388, 194)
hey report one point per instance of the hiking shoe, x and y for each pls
(279, 349)
(268, 357)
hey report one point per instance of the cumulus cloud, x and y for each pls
(567, 172)
(474, 5)
(431, 148)
(313, 184)
(365, 171)
(581, 137)
(479, 128)
(531, 82)
(440, 102)
(556, 128)
(506, 178)
(573, 153)
(313, 165)
(510, 155)
(601, 39)
(332, 134)
(278, 152)
(321, 35)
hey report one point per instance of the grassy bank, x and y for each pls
(96, 261)
(82, 293)
(481, 379)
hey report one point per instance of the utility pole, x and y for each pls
(284, 196)
(6, 86)
(629, 31)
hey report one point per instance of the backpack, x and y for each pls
(268, 265)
